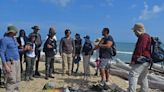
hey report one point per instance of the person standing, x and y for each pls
(30, 57)
(55, 50)
(9, 54)
(140, 59)
(22, 40)
(49, 49)
(87, 52)
(78, 47)
(67, 51)
(105, 55)
(38, 43)
(97, 61)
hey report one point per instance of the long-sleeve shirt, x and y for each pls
(9, 49)
(143, 47)
(67, 46)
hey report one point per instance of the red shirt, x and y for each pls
(143, 47)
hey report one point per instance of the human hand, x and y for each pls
(7, 67)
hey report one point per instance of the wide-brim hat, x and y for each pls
(51, 32)
(11, 29)
(86, 37)
(138, 26)
(35, 27)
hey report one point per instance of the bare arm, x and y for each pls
(108, 45)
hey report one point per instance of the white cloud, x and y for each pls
(149, 13)
(62, 3)
(157, 9)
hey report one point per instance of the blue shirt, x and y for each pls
(9, 49)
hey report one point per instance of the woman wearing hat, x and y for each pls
(9, 54)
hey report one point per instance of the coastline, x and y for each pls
(75, 80)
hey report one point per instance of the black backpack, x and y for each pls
(45, 45)
(113, 49)
(157, 52)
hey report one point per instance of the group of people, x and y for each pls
(15, 51)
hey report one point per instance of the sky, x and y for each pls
(87, 17)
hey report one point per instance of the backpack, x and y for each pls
(157, 52)
(113, 49)
(45, 45)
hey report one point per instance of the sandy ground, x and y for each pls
(75, 80)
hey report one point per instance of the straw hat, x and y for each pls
(138, 27)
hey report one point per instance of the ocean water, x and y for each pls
(124, 51)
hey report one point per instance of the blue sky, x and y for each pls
(85, 16)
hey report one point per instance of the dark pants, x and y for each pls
(29, 67)
(49, 66)
(22, 55)
(37, 61)
(77, 55)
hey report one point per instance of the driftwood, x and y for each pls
(122, 70)
(158, 67)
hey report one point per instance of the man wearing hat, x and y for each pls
(9, 54)
(49, 48)
(140, 59)
(38, 43)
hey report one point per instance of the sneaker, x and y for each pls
(85, 78)
(96, 74)
(107, 83)
(46, 78)
(51, 76)
(37, 73)
(31, 78)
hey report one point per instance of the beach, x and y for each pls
(75, 81)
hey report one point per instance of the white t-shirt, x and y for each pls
(31, 54)
(22, 41)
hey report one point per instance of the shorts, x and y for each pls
(105, 63)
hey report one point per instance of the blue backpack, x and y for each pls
(157, 52)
